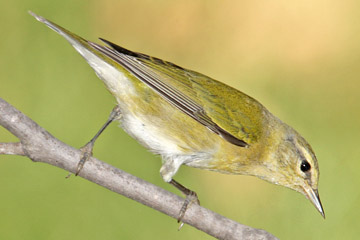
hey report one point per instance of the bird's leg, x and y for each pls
(87, 149)
(191, 197)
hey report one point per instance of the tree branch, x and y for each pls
(40, 146)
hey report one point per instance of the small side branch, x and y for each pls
(40, 146)
(11, 149)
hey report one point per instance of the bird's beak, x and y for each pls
(313, 196)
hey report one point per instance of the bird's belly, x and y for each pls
(171, 134)
(165, 130)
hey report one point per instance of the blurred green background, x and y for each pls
(301, 59)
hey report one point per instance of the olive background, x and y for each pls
(301, 59)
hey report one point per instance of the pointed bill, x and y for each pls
(313, 196)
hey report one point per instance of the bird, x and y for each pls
(191, 119)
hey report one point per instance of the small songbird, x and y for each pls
(189, 118)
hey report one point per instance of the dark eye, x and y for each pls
(305, 166)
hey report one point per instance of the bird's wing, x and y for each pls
(222, 109)
(207, 101)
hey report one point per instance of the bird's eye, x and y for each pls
(305, 166)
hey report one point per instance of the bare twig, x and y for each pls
(11, 149)
(40, 146)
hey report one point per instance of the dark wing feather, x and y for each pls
(132, 62)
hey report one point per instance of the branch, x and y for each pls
(40, 146)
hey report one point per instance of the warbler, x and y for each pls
(191, 119)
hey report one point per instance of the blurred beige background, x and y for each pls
(301, 59)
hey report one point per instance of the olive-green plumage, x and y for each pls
(189, 118)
